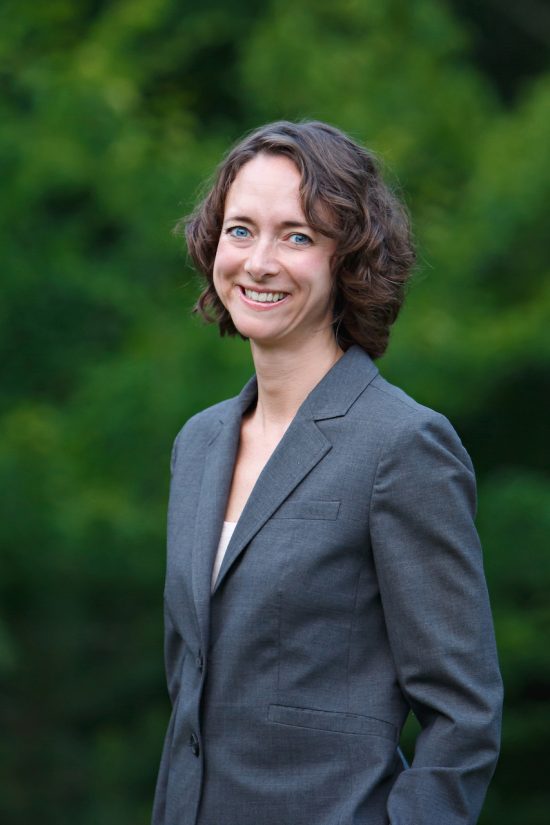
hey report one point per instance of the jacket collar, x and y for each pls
(330, 398)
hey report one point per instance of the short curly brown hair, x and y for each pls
(344, 197)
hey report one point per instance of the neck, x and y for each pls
(286, 377)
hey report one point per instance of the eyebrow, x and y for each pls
(283, 224)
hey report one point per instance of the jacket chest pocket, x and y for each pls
(316, 510)
(324, 555)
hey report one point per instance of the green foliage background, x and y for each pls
(111, 114)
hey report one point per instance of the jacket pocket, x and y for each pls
(332, 721)
(308, 510)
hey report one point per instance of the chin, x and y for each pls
(249, 327)
(252, 332)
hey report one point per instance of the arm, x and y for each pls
(174, 651)
(174, 648)
(436, 607)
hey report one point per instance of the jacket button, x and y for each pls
(194, 745)
(199, 661)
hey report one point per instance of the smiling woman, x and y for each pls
(324, 575)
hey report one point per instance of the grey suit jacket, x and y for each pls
(352, 590)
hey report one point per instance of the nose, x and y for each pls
(261, 261)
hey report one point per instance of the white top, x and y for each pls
(227, 532)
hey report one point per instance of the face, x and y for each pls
(272, 271)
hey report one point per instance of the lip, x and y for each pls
(262, 307)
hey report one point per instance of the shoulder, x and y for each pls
(200, 429)
(400, 409)
(407, 428)
(205, 421)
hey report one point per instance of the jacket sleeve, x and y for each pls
(174, 651)
(436, 607)
(174, 648)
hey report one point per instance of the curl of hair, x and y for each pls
(344, 197)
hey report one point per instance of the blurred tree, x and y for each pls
(111, 115)
(510, 42)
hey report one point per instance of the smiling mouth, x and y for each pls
(264, 297)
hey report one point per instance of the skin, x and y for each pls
(266, 246)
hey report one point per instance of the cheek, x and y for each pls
(226, 264)
(324, 285)
(219, 271)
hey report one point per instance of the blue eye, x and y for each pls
(238, 232)
(300, 239)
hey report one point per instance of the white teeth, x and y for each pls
(264, 297)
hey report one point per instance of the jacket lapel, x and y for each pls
(301, 448)
(216, 481)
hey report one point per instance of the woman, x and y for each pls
(324, 573)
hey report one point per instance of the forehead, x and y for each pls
(266, 181)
